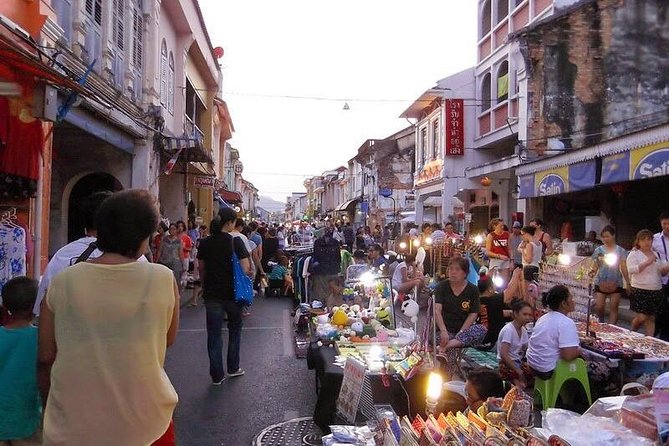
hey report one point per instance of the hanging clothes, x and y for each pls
(12, 253)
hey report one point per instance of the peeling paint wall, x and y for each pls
(598, 72)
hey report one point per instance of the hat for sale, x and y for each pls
(516, 224)
(662, 381)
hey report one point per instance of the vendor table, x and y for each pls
(655, 351)
(404, 396)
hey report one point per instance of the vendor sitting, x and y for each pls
(457, 308)
(482, 384)
(512, 343)
(407, 276)
(492, 313)
(555, 335)
(280, 276)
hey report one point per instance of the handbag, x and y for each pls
(242, 284)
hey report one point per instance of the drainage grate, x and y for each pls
(295, 432)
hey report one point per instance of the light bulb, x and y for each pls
(403, 245)
(428, 240)
(498, 281)
(478, 239)
(564, 259)
(416, 243)
(435, 384)
(368, 278)
(611, 259)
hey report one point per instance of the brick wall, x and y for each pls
(598, 72)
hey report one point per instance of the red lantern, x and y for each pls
(218, 52)
(485, 181)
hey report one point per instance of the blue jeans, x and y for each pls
(216, 310)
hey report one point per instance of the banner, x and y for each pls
(172, 162)
(551, 182)
(455, 135)
(637, 164)
(204, 182)
(582, 175)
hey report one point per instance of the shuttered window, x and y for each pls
(163, 74)
(137, 34)
(118, 18)
(170, 85)
(94, 10)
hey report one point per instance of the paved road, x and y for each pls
(276, 387)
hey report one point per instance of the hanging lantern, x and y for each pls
(485, 181)
(219, 52)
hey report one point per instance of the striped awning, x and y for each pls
(192, 149)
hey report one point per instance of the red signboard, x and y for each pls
(455, 134)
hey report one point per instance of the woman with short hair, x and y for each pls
(104, 329)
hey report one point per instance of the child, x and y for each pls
(280, 276)
(20, 406)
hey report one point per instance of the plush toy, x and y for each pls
(382, 335)
(357, 327)
(339, 317)
(410, 308)
(383, 316)
(355, 308)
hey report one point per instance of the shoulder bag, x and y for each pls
(241, 282)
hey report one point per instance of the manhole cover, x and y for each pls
(295, 432)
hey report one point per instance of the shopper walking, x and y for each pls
(349, 236)
(74, 251)
(661, 246)
(515, 239)
(215, 262)
(103, 334)
(171, 251)
(646, 270)
(609, 270)
(543, 237)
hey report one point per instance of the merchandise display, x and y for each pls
(616, 342)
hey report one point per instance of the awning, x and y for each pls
(202, 169)
(559, 180)
(193, 150)
(347, 204)
(230, 196)
(436, 202)
(20, 58)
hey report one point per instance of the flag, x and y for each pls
(172, 162)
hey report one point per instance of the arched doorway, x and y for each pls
(91, 183)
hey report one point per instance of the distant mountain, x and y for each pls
(270, 204)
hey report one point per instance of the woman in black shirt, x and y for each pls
(457, 308)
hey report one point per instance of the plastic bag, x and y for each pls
(349, 435)
(588, 430)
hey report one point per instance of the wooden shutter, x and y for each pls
(137, 34)
(163, 74)
(118, 16)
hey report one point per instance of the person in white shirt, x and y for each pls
(661, 246)
(646, 270)
(70, 253)
(402, 279)
(512, 343)
(554, 336)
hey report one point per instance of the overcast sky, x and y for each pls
(347, 49)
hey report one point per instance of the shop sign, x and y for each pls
(455, 135)
(649, 162)
(638, 164)
(207, 182)
(431, 171)
(239, 167)
(351, 389)
(552, 182)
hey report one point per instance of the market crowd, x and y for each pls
(108, 307)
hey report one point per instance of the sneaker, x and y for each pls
(218, 383)
(239, 372)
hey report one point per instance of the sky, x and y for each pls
(376, 55)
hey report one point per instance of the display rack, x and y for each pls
(575, 276)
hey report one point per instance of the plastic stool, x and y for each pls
(549, 390)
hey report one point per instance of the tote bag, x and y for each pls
(241, 282)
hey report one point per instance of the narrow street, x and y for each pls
(276, 387)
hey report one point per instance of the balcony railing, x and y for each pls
(191, 129)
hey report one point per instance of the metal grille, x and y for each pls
(295, 432)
